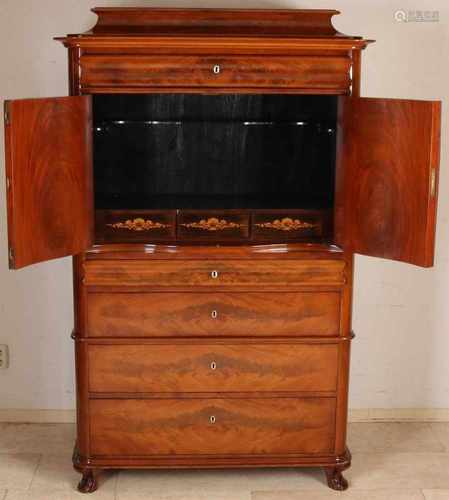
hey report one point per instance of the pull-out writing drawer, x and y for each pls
(164, 274)
(200, 368)
(327, 73)
(133, 428)
(170, 314)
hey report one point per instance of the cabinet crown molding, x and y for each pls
(249, 23)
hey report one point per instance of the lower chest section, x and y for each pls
(212, 358)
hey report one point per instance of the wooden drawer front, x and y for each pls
(330, 73)
(212, 426)
(212, 368)
(119, 226)
(202, 273)
(276, 225)
(218, 314)
(212, 225)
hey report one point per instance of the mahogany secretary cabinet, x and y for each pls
(212, 173)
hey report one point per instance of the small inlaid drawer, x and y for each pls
(212, 225)
(164, 274)
(250, 426)
(329, 73)
(180, 368)
(277, 225)
(221, 314)
(122, 226)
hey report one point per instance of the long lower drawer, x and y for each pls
(166, 314)
(133, 428)
(201, 368)
(216, 274)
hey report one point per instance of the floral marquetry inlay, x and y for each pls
(138, 224)
(212, 224)
(286, 224)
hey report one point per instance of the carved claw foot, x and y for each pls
(335, 479)
(88, 483)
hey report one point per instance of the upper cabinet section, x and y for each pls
(49, 178)
(133, 50)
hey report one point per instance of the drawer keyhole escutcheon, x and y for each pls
(216, 69)
(212, 419)
(213, 365)
(214, 314)
(214, 274)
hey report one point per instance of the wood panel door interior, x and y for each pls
(386, 194)
(387, 178)
(49, 178)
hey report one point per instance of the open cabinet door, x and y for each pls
(49, 178)
(387, 178)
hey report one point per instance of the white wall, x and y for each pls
(401, 318)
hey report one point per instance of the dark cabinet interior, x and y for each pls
(230, 153)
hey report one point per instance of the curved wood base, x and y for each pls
(335, 479)
(333, 467)
(88, 483)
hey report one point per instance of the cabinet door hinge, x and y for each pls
(11, 256)
(433, 182)
(7, 113)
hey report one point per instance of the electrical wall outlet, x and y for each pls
(4, 357)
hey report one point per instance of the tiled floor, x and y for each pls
(390, 462)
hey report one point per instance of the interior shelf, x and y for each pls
(320, 126)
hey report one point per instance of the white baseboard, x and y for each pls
(38, 416)
(399, 415)
(355, 415)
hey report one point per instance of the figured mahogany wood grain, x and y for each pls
(386, 153)
(233, 71)
(215, 274)
(218, 314)
(183, 426)
(49, 170)
(212, 368)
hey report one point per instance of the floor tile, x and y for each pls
(441, 432)
(231, 495)
(436, 494)
(390, 462)
(37, 438)
(346, 495)
(17, 470)
(57, 495)
(399, 470)
(395, 437)
(240, 482)
(56, 472)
